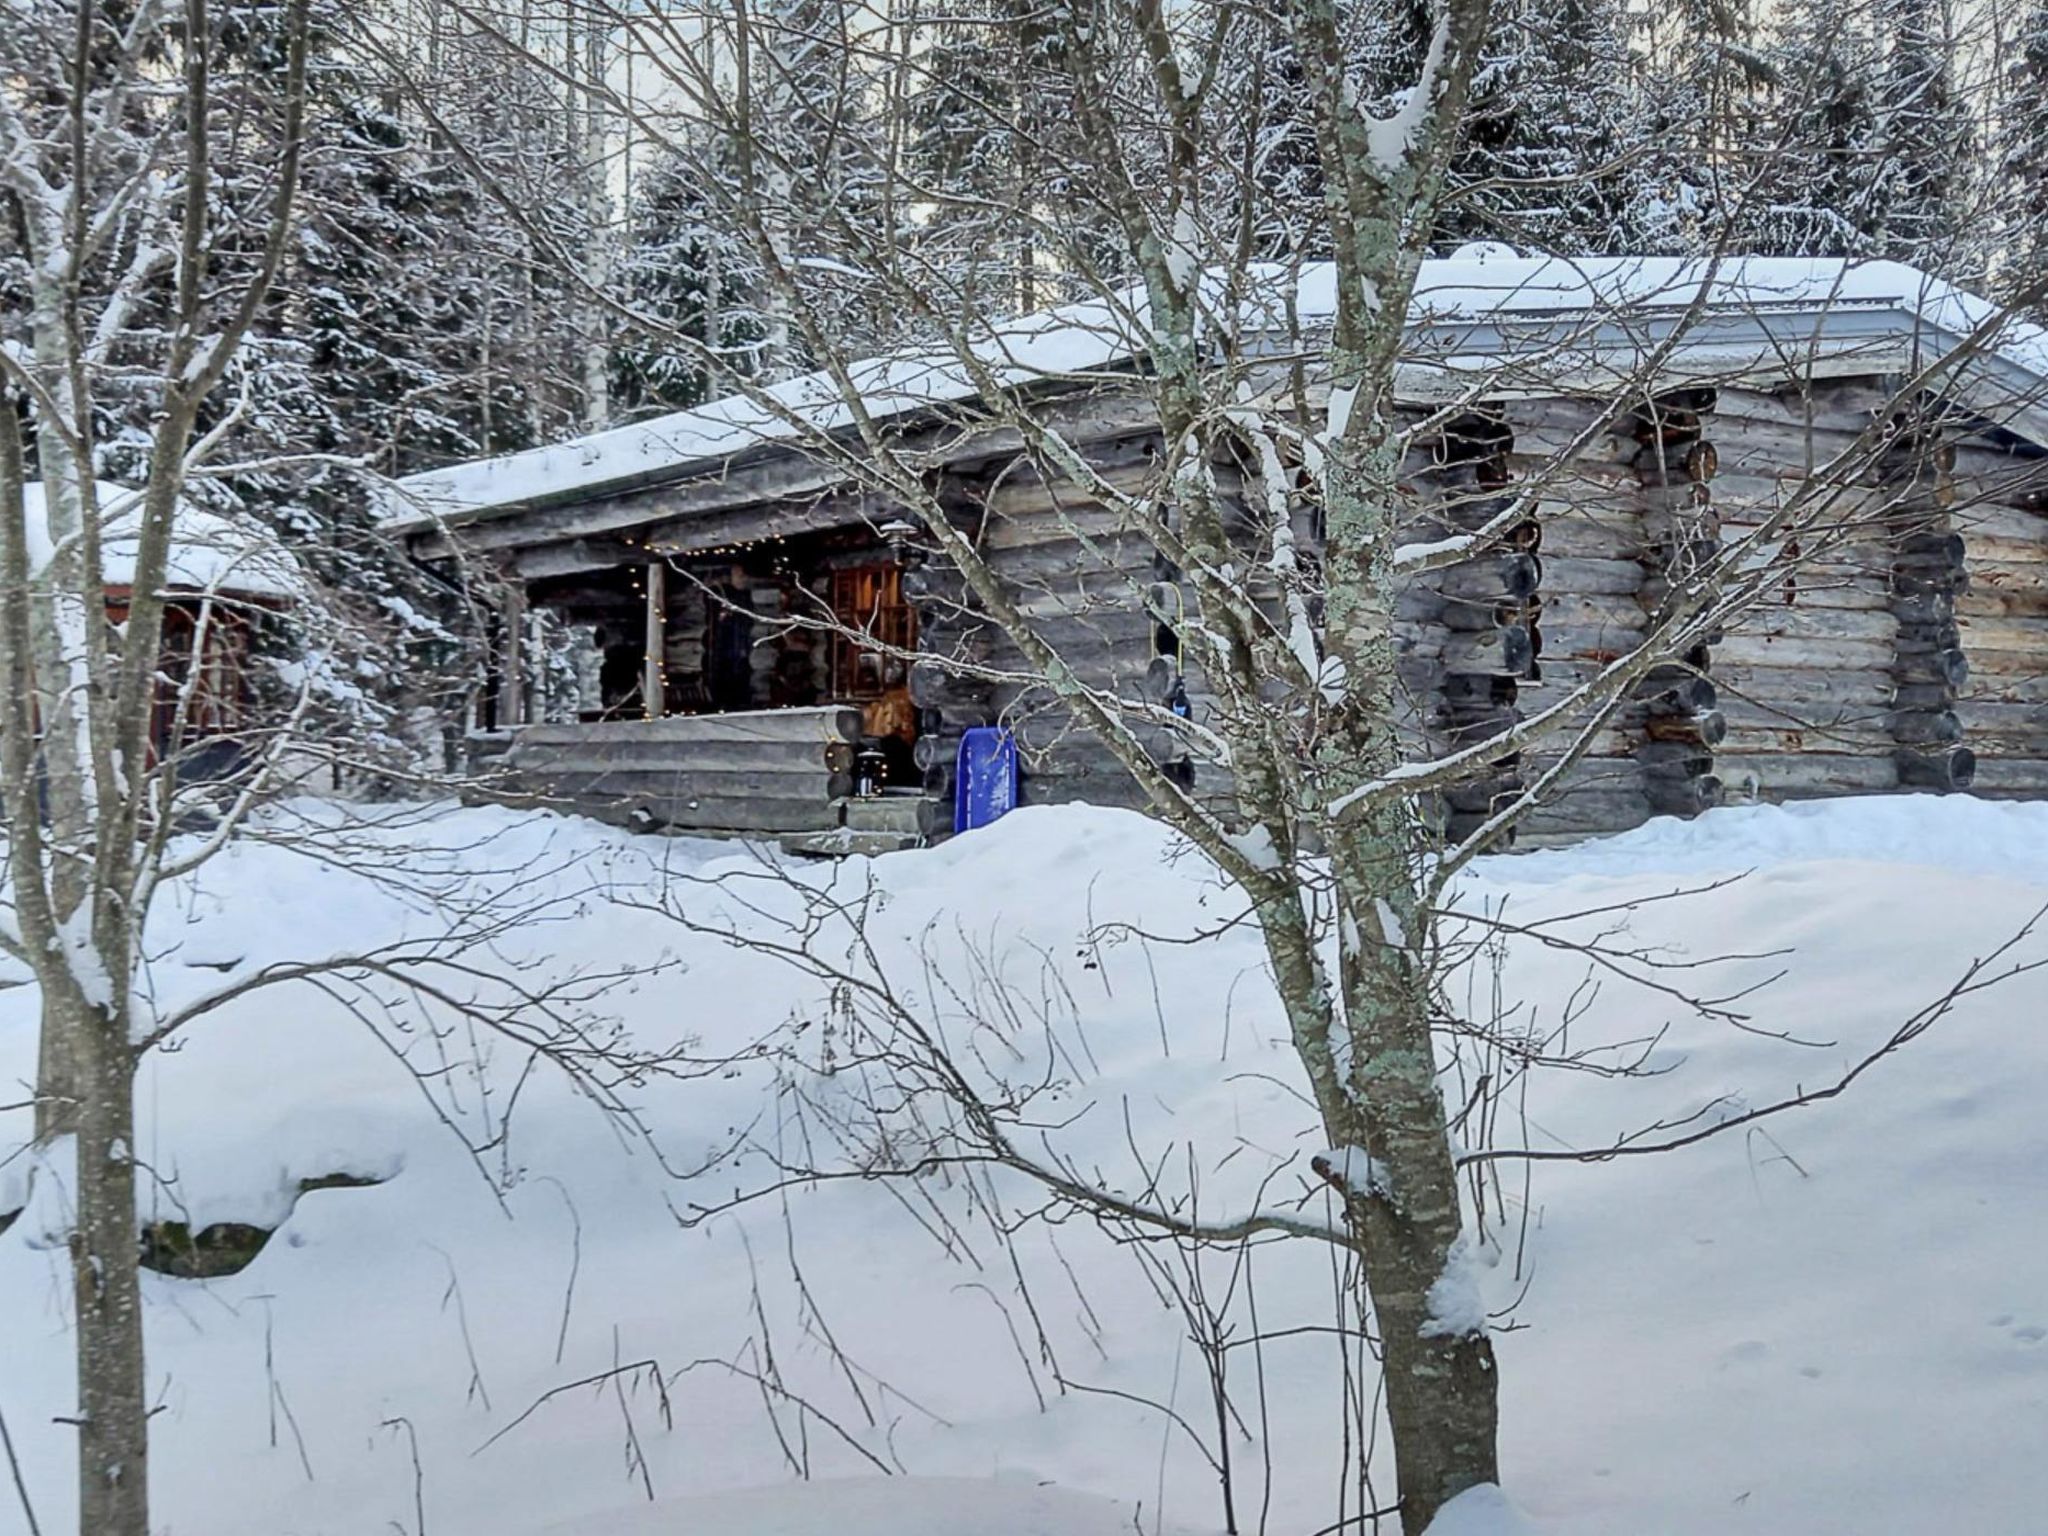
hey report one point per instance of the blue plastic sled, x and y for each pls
(986, 784)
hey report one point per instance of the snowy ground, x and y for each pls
(1835, 1323)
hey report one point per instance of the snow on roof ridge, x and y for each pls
(1082, 339)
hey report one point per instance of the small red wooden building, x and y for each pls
(225, 574)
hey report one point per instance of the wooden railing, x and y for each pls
(767, 771)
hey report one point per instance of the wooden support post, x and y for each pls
(512, 658)
(653, 676)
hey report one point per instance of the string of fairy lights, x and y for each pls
(780, 566)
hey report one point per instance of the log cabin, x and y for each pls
(224, 576)
(1650, 413)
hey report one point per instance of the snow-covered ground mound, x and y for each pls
(1830, 1322)
(900, 1506)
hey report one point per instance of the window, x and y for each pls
(869, 598)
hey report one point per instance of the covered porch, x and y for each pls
(757, 688)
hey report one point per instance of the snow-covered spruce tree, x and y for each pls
(2022, 160)
(532, 247)
(1385, 43)
(969, 147)
(808, 148)
(103, 233)
(1557, 153)
(1863, 144)
(1820, 188)
(1556, 156)
(1925, 139)
(1284, 188)
(518, 258)
(364, 365)
(1700, 73)
(987, 118)
(383, 291)
(687, 271)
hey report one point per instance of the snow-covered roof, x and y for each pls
(1563, 320)
(210, 553)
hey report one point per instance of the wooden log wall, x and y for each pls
(1589, 508)
(2000, 510)
(1096, 591)
(1673, 721)
(1623, 509)
(950, 629)
(1824, 689)
(1847, 677)
(771, 771)
(1872, 666)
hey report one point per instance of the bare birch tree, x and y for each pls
(108, 170)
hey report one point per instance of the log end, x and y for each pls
(1939, 771)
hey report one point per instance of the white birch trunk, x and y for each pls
(587, 59)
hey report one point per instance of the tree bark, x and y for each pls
(88, 817)
(56, 1082)
(113, 1410)
(66, 647)
(1441, 1397)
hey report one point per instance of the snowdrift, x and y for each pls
(1831, 1322)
